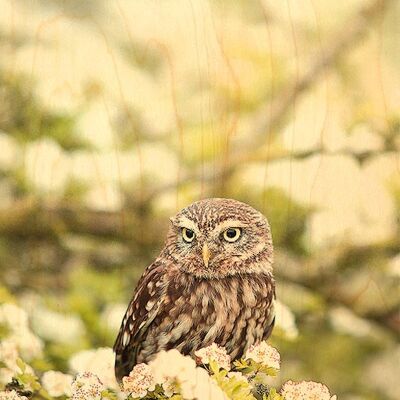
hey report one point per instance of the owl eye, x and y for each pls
(232, 234)
(188, 235)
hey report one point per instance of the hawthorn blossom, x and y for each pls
(86, 386)
(264, 354)
(98, 361)
(285, 320)
(172, 365)
(29, 345)
(215, 353)
(9, 353)
(13, 317)
(305, 390)
(6, 375)
(203, 387)
(238, 375)
(170, 387)
(8, 356)
(112, 316)
(11, 395)
(56, 327)
(57, 384)
(139, 381)
(177, 372)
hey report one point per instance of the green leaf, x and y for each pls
(273, 395)
(21, 365)
(109, 394)
(214, 367)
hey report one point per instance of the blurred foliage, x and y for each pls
(22, 115)
(144, 57)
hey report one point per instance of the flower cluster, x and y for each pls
(11, 395)
(216, 353)
(264, 354)
(210, 376)
(57, 384)
(100, 362)
(18, 341)
(87, 386)
(305, 390)
(179, 374)
(139, 382)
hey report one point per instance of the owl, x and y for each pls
(212, 282)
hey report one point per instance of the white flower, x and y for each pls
(215, 353)
(238, 375)
(305, 390)
(394, 266)
(264, 354)
(100, 362)
(9, 353)
(202, 387)
(87, 386)
(11, 395)
(6, 375)
(9, 151)
(56, 327)
(12, 369)
(112, 316)
(284, 319)
(170, 387)
(13, 317)
(47, 166)
(345, 321)
(172, 369)
(57, 384)
(172, 365)
(29, 345)
(139, 381)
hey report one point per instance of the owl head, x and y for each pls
(214, 238)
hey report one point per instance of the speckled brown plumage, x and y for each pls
(190, 297)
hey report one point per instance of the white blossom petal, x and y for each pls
(99, 361)
(305, 390)
(57, 384)
(264, 354)
(13, 317)
(139, 381)
(87, 386)
(215, 353)
(11, 395)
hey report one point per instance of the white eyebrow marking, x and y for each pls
(185, 222)
(229, 223)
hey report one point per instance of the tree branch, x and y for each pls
(346, 37)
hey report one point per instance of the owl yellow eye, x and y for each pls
(188, 235)
(232, 234)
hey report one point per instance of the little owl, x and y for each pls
(212, 282)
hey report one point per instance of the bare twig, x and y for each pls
(347, 36)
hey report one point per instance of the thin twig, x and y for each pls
(352, 31)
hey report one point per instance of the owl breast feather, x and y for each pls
(187, 313)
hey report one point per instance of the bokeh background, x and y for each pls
(116, 114)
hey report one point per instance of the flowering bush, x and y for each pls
(211, 376)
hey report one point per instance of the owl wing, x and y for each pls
(270, 317)
(145, 305)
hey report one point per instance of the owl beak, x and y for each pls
(206, 254)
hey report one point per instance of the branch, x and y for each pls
(347, 36)
(350, 33)
(319, 274)
(27, 219)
